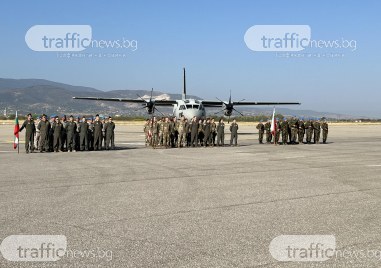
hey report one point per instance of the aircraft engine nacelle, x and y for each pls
(228, 112)
(150, 107)
(228, 109)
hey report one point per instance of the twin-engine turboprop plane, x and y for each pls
(188, 108)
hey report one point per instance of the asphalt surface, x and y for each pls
(197, 207)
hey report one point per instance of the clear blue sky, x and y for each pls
(206, 37)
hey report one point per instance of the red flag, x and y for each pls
(273, 124)
(16, 132)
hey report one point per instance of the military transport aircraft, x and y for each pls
(188, 107)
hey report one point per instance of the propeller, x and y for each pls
(229, 107)
(150, 104)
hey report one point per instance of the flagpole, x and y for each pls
(18, 145)
(274, 126)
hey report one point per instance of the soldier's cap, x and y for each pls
(71, 116)
(29, 114)
(109, 117)
(56, 117)
(96, 115)
(43, 115)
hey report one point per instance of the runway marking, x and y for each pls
(8, 151)
(242, 152)
(295, 156)
(132, 143)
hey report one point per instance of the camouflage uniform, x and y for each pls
(324, 127)
(166, 133)
(268, 132)
(301, 131)
(213, 134)
(284, 130)
(155, 133)
(316, 126)
(200, 132)
(161, 132)
(277, 132)
(309, 129)
(146, 130)
(174, 133)
(294, 130)
(261, 130)
(182, 132)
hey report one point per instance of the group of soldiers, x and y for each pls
(67, 135)
(173, 133)
(293, 131)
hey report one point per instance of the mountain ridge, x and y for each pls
(45, 96)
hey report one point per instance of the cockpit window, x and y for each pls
(189, 106)
(195, 106)
(182, 107)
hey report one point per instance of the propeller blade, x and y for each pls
(141, 108)
(219, 112)
(221, 100)
(141, 97)
(159, 111)
(238, 111)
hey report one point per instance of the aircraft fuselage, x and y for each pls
(189, 108)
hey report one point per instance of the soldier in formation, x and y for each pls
(181, 133)
(68, 135)
(234, 133)
(261, 131)
(294, 131)
(30, 130)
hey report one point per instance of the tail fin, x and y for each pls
(184, 95)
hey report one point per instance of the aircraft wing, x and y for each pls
(242, 103)
(157, 102)
(216, 103)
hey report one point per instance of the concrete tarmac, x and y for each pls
(196, 207)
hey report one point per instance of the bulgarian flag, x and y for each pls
(16, 132)
(273, 124)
